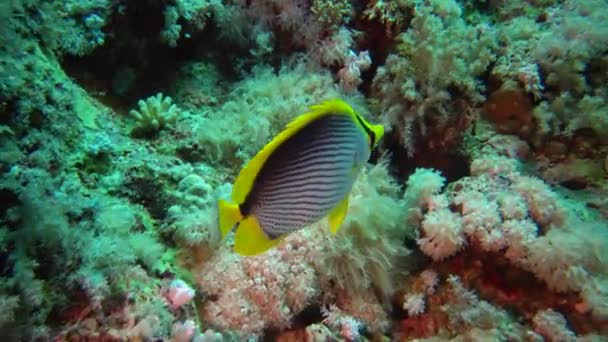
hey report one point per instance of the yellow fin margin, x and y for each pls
(250, 238)
(229, 215)
(337, 215)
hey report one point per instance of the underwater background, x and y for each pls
(482, 215)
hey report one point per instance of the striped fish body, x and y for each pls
(303, 174)
(308, 175)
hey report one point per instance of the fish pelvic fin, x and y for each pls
(250, 238)
(337, 215)
(229, 215)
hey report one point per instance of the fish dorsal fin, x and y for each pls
(244, 181)
(334, 106)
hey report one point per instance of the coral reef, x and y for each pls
(482, 216)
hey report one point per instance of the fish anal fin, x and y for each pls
(250, 239)
(336, 216)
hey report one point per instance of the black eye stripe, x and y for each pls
(370, 133)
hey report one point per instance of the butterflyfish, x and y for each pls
(304, 174)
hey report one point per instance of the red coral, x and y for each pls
(510, 110)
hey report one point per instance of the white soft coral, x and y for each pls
(414, 304)
(422, 185)
(543, 204)
(552, 325)
(442, 234)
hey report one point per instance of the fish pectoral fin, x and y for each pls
(336, 216)
(250, 239)
(229, 215)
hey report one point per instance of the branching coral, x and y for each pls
(553, 326)
(332, 14)
(196, 13)
(455, 311)
(555, 116)
(390, 13)
(499, 210)
(418, 82)
(335, 49)
(154, 113)
(553, 58)
(466, 309)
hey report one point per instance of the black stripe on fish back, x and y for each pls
(325, 143)
(306, 176)
(313, 160)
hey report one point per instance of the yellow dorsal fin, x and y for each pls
(334, 106)
(245, 180)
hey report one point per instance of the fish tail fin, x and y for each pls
(250, 238)
(229, 215)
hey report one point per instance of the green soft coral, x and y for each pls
(74, 27)
(258, 108)
(366, 253)
(565, 114)
(332, 13)
(392, 13)
(197, 13)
